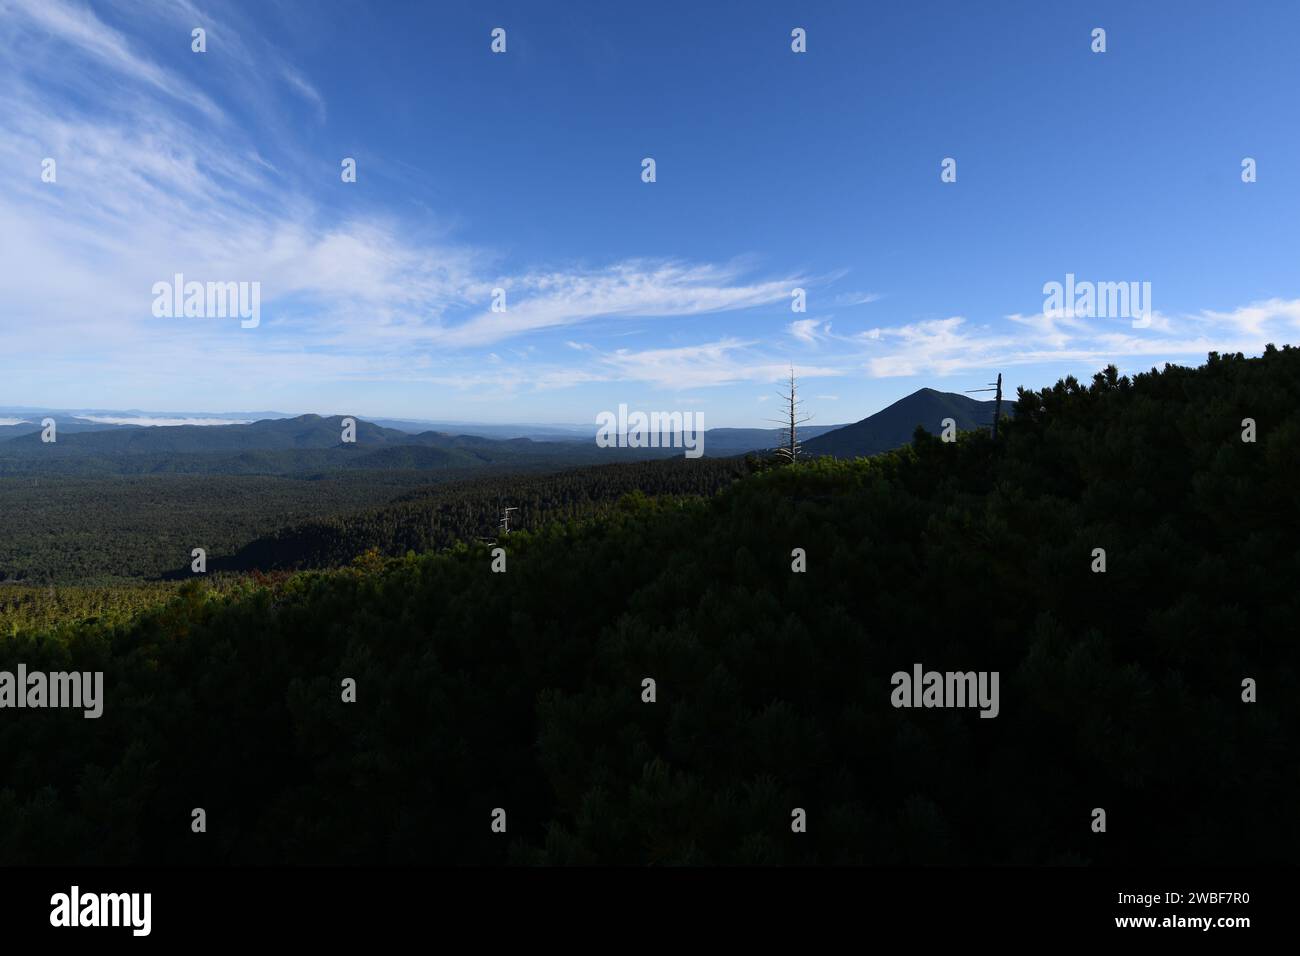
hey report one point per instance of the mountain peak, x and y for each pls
(893, 426)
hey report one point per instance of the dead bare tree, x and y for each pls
(789, 451)
(504, 527)
(997, 406)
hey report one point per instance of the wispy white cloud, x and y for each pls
(1258, 319)
(946, 346)
(727, 361)
(636, 288)
(303, 88)
(722, 362)
(142, 194)
(74, 29)
(154, 178)
(849, 299)
(809, 330)
(805, 330)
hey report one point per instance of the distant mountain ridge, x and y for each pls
(313, 443)
(78, 439)
(892, 427)
(272, 434)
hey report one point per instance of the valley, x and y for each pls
(112, 504)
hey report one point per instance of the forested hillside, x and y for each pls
(523, 690)
(460, 456)
(66, 530)
(436, 517)
(87, 531)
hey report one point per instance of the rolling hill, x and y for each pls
(311, 444)
(893, 427)
(305, 431)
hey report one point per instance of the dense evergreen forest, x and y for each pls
(432, 518)
(76, 530)
(116, 531)
(523, 690)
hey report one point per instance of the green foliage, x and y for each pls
(115, 531)
(436, 517)
(27, 608)
(523, 690)
(65, 530)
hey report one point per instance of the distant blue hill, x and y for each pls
(313, 443)
(893, 427)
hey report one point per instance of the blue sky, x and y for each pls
(522, 171)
